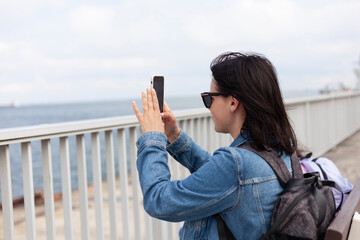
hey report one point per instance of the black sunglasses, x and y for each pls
(207, 97)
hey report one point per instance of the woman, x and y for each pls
(245, 101)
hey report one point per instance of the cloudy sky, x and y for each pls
(64, 51)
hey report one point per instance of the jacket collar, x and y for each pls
(241, 139)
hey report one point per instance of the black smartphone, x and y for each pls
(157, 83)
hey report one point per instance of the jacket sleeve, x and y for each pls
(187, 152)
(211, 189)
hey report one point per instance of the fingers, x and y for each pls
(155, 101)
(136, 110)
(164, 115)
(144, 102)
(167, 114)
(150, 99)
(166, 107)
(150, 120)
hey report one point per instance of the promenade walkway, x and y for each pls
(346, 156)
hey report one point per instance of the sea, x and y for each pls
(36, 114)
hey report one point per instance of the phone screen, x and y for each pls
(158, 84)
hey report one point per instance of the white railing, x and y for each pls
(320, 123)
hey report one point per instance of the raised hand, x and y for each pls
(150, 120)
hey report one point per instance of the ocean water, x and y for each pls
(57, 113)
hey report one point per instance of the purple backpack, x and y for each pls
(328, 171)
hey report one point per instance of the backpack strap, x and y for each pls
(337, 187)
(327, 182)
(308, 155)
(296, 167)
(321, 169)
(278, 165)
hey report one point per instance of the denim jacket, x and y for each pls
(234, 182)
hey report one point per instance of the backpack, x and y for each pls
(328, 171)
(304, 209)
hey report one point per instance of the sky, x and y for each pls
(54, 51)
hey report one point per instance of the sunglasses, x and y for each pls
(207, 97)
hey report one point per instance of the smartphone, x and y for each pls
(157, 83)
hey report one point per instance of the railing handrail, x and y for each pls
(44, 131)
(318, 98)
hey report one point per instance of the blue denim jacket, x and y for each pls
(234, 182)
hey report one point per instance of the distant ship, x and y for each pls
(334, 87)
(13, 104)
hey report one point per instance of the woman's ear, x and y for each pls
(234, 104)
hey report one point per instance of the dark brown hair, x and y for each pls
(251, 78)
